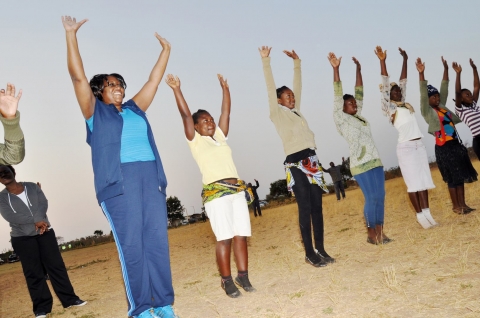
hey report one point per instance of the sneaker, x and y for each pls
(230, 288)
(244, 282)
(315, 263)
(326, 258)
(78, 303)
(41, 315)
(164, 312)
(147, 314)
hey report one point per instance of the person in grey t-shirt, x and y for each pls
(336, 174)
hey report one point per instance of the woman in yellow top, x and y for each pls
(224, 194)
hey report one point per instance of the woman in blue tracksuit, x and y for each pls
(129, 178)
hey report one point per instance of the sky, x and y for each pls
(210, 37)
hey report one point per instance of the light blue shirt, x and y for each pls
(134, 142)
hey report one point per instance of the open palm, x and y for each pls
(71, 24)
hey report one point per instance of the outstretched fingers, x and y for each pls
(456, 67)
(334, 61)
(382, 55)
(172, 81)
(420, 65)
(264, 51)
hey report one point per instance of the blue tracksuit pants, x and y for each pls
(138, 219)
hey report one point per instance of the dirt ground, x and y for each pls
(423, 273)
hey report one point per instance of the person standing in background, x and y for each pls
(337, 179)
(256, 200)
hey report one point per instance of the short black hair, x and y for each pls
(280, 91)
(97, 83)
(196, 114)
(347, 96)
(11, 168)
(464, 90)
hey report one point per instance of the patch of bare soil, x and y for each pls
(422, 273)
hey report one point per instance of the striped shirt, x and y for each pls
(470, 115)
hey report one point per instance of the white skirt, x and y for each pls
(413, 162)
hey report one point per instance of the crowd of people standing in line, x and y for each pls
(130, 181)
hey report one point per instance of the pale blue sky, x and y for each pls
(210, 37)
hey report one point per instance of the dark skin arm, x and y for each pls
(187, 119)
(382, 56)
(335, 62)
(445, 70)
(458, 85)
(403, 75)
(358, 80)
(421, 69)
(476, 82)
(224, 122)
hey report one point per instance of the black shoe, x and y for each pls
(230, 288)
(387, 240)
(78, 303)
(244, 282)
(40, 315)
(316, 263)
(326, 258)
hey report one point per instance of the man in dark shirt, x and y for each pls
(336, 174)
(256, 201)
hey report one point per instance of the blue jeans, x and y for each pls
(138, 219)
(372, 184)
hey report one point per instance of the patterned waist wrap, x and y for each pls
(220, 189)
(312, 170)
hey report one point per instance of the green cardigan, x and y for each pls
(428, 113)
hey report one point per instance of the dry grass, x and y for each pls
(423, 273)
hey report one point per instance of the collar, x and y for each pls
(286, 108)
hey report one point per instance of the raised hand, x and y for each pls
(8, 101)
(403, 53)
(457, 67)
(334, 61)
(356, 62)
(172, 81)
(291, 54)
(445, 64)
(420, 66)
(264, 51)
(382, 55)
(71, 24)
(163, 42)
(473, 64)
(223, 82)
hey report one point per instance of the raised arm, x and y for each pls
(335, 62)
(145, 96)
(403, 75)
(424, 106)
(458, 85)
(476, 82)
(224, 122)
(382, 56)
(297, 77)
(13, 150)
(188, 125)
(358, 80)
(445, 70)
(84, 94)
(444, 85)
(267, 71)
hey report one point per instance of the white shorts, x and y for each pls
(229, 216)
(413, 162)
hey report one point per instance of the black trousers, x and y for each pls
(39, 252)
(309, 201)
(256, 207)
(476, 146)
